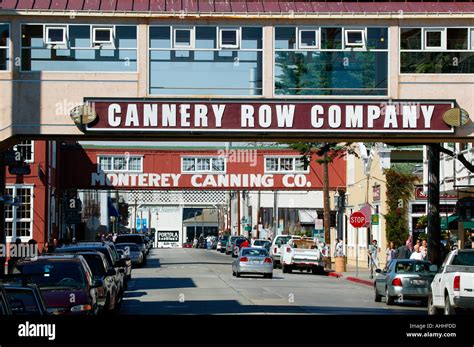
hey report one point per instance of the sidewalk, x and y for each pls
(362, 277)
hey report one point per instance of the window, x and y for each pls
(436, 50)
(119, 163)
(418, 208)
(183, 38)
(55, 36)
(333, 61)
(4, 46)
(354, 38)
(446, 209)
(435, 39)
(308, 38)
(284, 165)
(19, 219)
(472, 39)
(103, 36)
(205, 60)
(84, 48)
(229, 38)
(203, 164)
(26, 148)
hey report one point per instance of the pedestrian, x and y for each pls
(424, 249)
(16, 251)
(409, 244)
(373, 253)
(339, 251)
(417, 254)
(391, 253)
(245, 244)
(195, 242)
(45, 249)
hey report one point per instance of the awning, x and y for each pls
(307, 216)
(453, 223)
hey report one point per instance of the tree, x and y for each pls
(326, 153)
(400, 188)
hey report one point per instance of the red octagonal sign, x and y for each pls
(357, 219)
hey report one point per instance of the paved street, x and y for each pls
(197, 281)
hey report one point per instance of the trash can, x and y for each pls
(340, 264)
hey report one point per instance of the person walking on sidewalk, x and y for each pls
(372, 253)
(391, 253)
(417, 254)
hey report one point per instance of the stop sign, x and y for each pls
(357, 219)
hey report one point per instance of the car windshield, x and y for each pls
(283, 240)
(413, 267)
(131, 247)
(95, 263)
(129, 239)
(22, 301)
(464, 258)
(259, 242)
(225, 238)
(54, 274)
(254, 252)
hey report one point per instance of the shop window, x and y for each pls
(435, 39)
(203, 164)
(308, 38)
(19, 219)
(436, 51)
(206, 60)
(229, 38)
(331, 61)
(4, 46)
(26, 148)
(55, 36)
(284, 165)
(354, 38)
(102, 36)
(74, 48)
(183, 38)
(118, 163)
(418, 208)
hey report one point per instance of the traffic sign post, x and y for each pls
(357, 220)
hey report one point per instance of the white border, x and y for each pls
(442, 47)
(210, 172)
(192, 37)
(15, 220)
(238, 37)
(120, 156)
(355, 46)
(275, 156)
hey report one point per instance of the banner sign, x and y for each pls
(162, 115)
(167, 236)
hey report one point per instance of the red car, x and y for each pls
(61, 278)
(187, 245)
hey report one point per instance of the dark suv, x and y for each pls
(138, 239)
(65, 281)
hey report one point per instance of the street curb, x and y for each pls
(335, 274)
(360, 281)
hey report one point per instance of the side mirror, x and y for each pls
(378, 271)
(433, 268)
(97, 283)
(111, 272)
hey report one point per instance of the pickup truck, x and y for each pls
(275, 248)
(301, 254)
(452, 288)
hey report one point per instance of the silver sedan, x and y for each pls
(253, 260)
(131, 250)
(404, 279)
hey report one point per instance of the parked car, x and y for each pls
(113, 260)
(222, 243)
(453, 286)
(230, 243)
(21, 299)
(131, 250)
(301, 254)
(139, 239)
(404, 279)
(253, 260)
(237, 247)
(275, 249)
(262, 243)
(61, 277)
(188, 245)
(109, 292)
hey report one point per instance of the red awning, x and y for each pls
(238, 6)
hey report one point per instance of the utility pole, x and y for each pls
(238, 212)
(434, 222)
(275, 213)
(258, 215)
